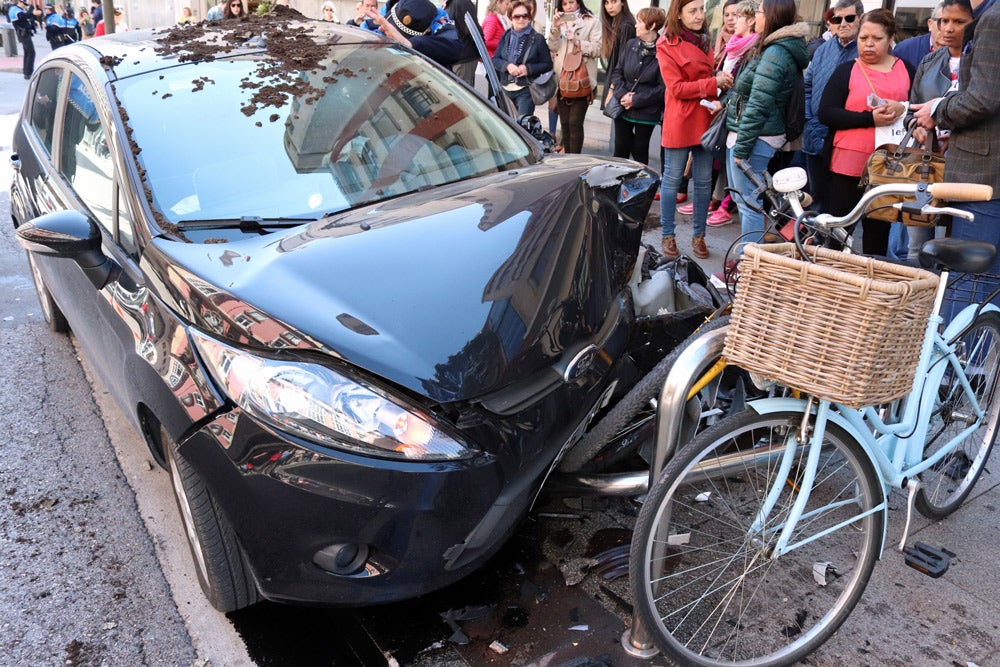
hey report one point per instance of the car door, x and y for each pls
(76, 166)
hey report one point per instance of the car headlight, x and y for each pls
(320, 404)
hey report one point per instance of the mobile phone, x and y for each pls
(569, 16)
(874, 100)
(707, 104)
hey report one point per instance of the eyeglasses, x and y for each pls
(837, 20)
(519, 16)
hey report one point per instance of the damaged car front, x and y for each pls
(376, 311)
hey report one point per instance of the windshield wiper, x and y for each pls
(246, 223)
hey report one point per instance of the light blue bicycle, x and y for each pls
(760, 535)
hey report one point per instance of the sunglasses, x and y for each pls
(837, 20)
(519, 16)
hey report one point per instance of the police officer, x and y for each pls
(23, 21)
(58, 30)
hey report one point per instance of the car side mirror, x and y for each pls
(70, 235)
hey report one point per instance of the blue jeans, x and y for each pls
(674, 163)
(751, 221)
(522, 101)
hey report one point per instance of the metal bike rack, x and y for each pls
(691, 363)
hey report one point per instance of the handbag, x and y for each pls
(542, 87)
(574, 79)
(713, 139)
(907, 162)
(613, 108)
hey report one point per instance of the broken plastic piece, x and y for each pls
(820, 571)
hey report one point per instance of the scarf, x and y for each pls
(519, 39)
(647, 48)
(699, 39)
(737, 46)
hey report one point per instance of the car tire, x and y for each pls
(54, 317)
(222, 571)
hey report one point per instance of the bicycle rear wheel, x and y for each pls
(707, 588)
(946, 485)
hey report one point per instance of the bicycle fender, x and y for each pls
(765, 406)
(964, 317)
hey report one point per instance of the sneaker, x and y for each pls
(686, 209)
(699, 247)
(668, 247)
(720, 217)
(681, 197)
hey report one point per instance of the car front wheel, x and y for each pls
(222, 571)
(50, 311)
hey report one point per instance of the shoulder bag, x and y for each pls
(713, 139)
(543, 86)
(907, 162)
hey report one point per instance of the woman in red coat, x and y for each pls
(687, 66)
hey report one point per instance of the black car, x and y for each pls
(354, 310)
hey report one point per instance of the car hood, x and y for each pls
(453, 293)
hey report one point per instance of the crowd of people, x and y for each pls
(665, 67)
(857, 87)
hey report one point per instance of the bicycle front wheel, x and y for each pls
(706, 584)
(945, 485)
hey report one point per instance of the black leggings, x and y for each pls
(632, 140)
(841, 195)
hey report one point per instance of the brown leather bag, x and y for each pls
(574, 80)
(907, 162)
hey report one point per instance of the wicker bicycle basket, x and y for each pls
(846, 328)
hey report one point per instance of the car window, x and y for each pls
(84, 158)
(43, 105)
(380, 123)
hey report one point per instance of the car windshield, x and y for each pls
(379, 122)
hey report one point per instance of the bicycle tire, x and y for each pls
(625, 411)
(946, 485)
(723, 600)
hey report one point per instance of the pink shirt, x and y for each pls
(852, 147)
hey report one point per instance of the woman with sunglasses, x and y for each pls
(522, 54)
(233, 9)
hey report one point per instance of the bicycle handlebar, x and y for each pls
(961, 191)
(951, 191)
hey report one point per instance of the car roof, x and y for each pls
(148, 50)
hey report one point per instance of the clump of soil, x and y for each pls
(285, 36)
(291, 47)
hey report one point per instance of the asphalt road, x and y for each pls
(96, 570)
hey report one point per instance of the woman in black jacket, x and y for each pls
(639, 87)
(521, 54)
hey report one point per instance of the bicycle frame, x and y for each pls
(895, 449)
